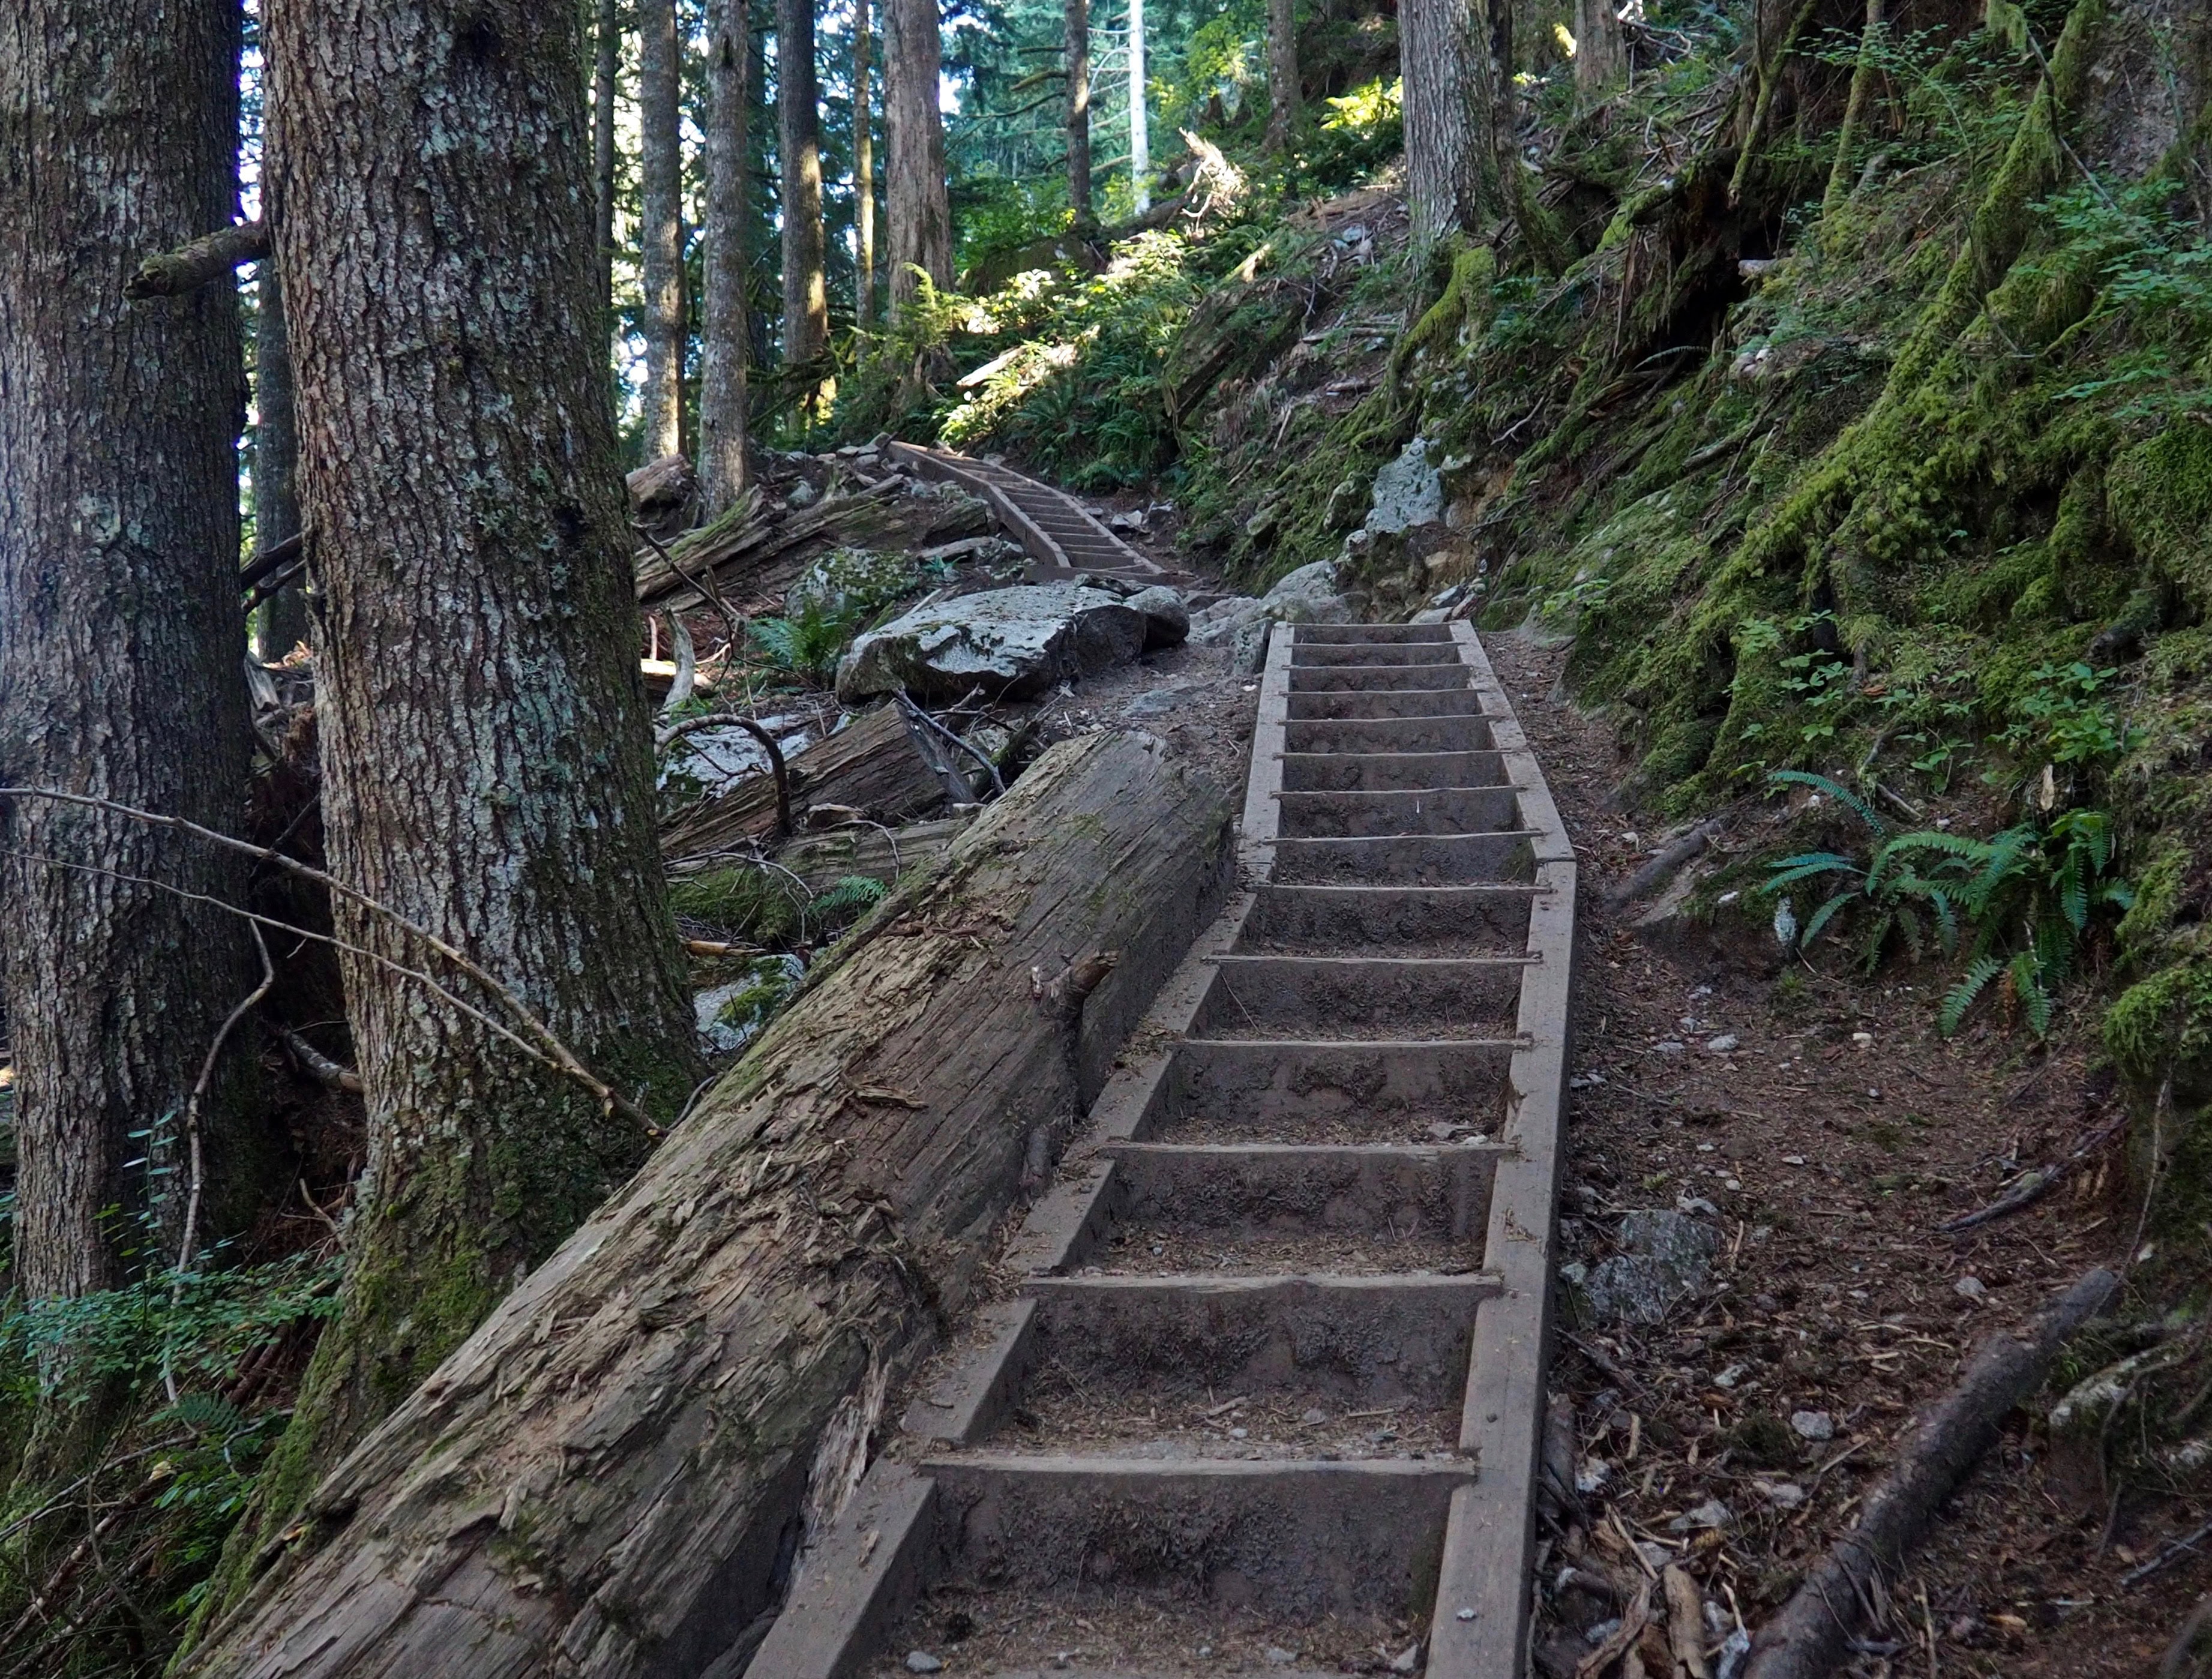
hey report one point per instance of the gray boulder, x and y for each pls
(849, 580)
(1167, 618)
(1663, 1257)
(1409, 493)
(1012, 643)
(1308, 595)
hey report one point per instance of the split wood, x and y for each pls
(1809, 1637)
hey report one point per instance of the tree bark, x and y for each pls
(723, 331)
(1600, 56)
(919, 209)
(121, 633)
(1442, 52)
(598, 1484)
(275, 467)
(1077, 28)
(1283, 94)
(798, 133)
(607, 68)
(864, 171)
(660, 258)
(1140, 124)
(485, 741)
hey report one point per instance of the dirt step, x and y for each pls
(1138, 1249)
(1312, 638)
(1385, 705)
(1252, 1191)
(1375, 679)
(1415, 860)
(1390, 772)
(1360, 996)
(1441, 809)
(1397, 921)
(1429, 650)
(1262, 1090)
(1193, 1423)
(1468, 733)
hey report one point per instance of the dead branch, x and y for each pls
(914, 713)
(206, 259)
(275, 558)
(2031, 1186)
(319, 1067)
(1664, 867)
(40, 1606)
(1812, 1633)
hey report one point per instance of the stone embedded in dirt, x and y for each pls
(1726, 1042)
(1167, 616)
(1711, 1514)
(1669, 1046)
(1408, 492)
(848, 580)
(1663, 1257)
(1314, 1417)
(1784, 1494)
(1407, 1660)
(1276, 1656)
(1971, 1288)
(920, 1661)
(1012, 643)
(1813, 1425)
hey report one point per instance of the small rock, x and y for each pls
(1669, 1046)
(1971, 1288)
(1712, 1514)
(1407, 1660)
(1694, 1204)
(1468, 1615)
(803, 495)
(1167, 616)
(1863, 1040)
(1793, 1159)
(1724, 1044)
(1813, 1425)
(920, 1661)
(1592, 1474)
(1599, 1633)
(1785, 1495)
(1239, 1433)
(1730, 1376)
(1314, 1417)
(1276, 1656)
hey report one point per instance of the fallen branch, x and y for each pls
(320, 1068)
(1813, 1632)
(1669, 862)
(2031, 1186)
(206, 259)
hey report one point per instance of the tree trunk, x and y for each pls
(606, 67)
(1283, 94)
(722, 337)
(661, 258)
(919, 210)
(1140, 126)
(1078, 24)
(1600, 57)
(1863, 81)
(276, 464)
(487, 763)
(799, 134)
(621, 1450)
(121, 633)
(864, 173)
(1441, 53)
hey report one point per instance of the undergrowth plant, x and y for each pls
(2019, 904)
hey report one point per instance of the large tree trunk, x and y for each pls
(1283, 98)
(121, 633)
(864, 173)
(606, 66)
(660, 258)
(1600, 53)
(599, 1483)
(722, 337)
(918, 208)
(276, 464)
(1076, 23)
(1140, 124)
(1442, 52)
(487, 761)
(798, 133)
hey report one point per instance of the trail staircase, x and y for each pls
(1062, 538)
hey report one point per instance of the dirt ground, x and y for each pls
(1830, 1138)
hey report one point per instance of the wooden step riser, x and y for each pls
(1458, 809)
(1309, 680)
(1390, 772)
(1468, 733)
(1431, 860)
(1271, 1089)
(1398, 921)
(1276, 1190)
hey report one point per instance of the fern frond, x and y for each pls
(1961, 997)
(1835, 790)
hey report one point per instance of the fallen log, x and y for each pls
(871, 765)
(1810, 1636)
(605, 1480)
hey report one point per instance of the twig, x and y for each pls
(1604, 1363)
(916, 714)
(2168, 1553)
(206, 259)
(553, 1052)
(320, 1068)
(2030, 1187)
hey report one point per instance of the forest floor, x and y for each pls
(1832, 1139)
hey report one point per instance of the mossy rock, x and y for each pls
(2161, 498)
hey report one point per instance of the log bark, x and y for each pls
(1809, 1636)
(204, 261)
(660, 236)
(1441, 49)
(120, 631)
(1600, 56)
(723, 329)
(872, 766)
(485, 742)
(798, 133)
(917, 206)
(599, 1483)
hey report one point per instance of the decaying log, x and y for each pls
(206, 259)
(820, 860)
(1808, 1638)
(871, 765)
(600, 1482)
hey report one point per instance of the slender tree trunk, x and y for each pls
(120, 634)
(722, 339)
(1442, 49)
(864, 173)
(1140, 126)
(660, 166)
(487, 762)
(920, 211)
(1078, 113)
(606, 67)
(1600, 57)
(799, 130)
(1862, 80)
(276, 465)
(1282, 94)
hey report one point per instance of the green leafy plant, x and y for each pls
(807, 644)
(2066, 718)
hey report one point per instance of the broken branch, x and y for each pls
(205, 259)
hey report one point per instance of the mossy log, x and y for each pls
(873, 766)
(602, 1480)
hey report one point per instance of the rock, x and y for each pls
(1722, 1045)
(1167, 617)
(1212, 625)
(1663, 1257)
(1669, 1046)
(1408, 492)
(1125, 522)
(1248, 651)
(1783, 1494)
(1012, 643)
(1813, 1425)
(1276, 1656)
(1308, 595)
(731, 1016)
(1407, 1660)
(1971, 1288)
(920, 1661)
(847, 580)
(1712, 1515)
(1314, 1417)
(803, 495)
